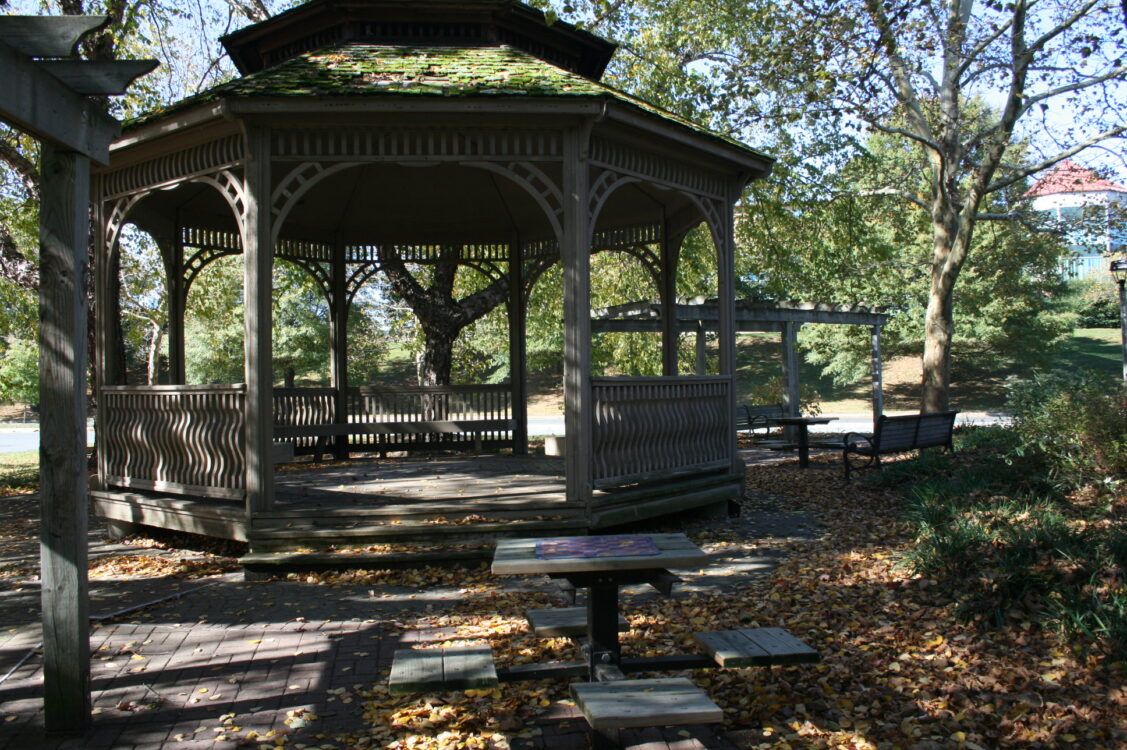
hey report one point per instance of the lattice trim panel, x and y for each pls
(437, 144)
(168, 169)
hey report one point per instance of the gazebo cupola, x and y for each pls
(365, 133)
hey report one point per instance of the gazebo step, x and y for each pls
(273, 537)
(755, 647)
(644, 703)
(426, 670)
(566, 622)
(405, 557)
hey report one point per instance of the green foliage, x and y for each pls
(1095, 302)
(1075, 424)
(19, 371)
(19, 471)
(1009, 553)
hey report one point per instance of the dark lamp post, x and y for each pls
(1119, 273)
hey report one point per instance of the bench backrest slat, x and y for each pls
(911, 431)
(747, 415)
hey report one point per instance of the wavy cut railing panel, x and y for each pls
(185, 439)
(424, 417)
(304, 407)
(650, 428)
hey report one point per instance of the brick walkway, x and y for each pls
(231, 664)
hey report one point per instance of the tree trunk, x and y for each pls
(951, 231)
(156, 337)
(438, 358)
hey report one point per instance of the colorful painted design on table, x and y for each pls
(596, 546)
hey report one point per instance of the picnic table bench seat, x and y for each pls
(566, 622)
(440, 669)
(755, 647)
(657, 702)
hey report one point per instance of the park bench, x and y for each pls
(758, 421)
(898, 434)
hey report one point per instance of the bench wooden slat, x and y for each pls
(656, 702)
(417, 671)
(755, 647)
(567, 622)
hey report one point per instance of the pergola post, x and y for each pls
(518, 368)
(576, 257)
(878, 377)
(670, 332)
(63, 238)
(790, 375)
(258, 259)
(338, 338)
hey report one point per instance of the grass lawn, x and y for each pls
(19, 472)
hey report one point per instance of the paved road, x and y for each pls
(15, 438)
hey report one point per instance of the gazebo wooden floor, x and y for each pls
(367, 500)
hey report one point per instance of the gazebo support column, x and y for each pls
(63, 239)
(576, 257)
(670, 332)
(701, 348)
(173, 252)
(258, 258)
(878, 377)
(726, 292)
(338, 356)
(518, 369)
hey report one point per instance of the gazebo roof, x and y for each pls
(302, 57)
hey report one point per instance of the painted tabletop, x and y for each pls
(597, 553)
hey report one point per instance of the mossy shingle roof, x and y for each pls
(360, 69)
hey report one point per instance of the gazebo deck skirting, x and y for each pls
(658, 446)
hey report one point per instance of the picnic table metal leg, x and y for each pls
(604, 652)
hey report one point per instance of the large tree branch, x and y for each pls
(1077, 86)
(21, 165)
(1021, 174)
(14, 265)
(906, 92)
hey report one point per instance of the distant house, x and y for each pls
(1093, 210)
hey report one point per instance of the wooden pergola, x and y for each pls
(363, 130)
(700, 316)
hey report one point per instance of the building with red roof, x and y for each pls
(1091, 209)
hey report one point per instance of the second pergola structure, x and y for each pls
(703, 316)
(365, 130)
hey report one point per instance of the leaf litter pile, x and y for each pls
(899, 669)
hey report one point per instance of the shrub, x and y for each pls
(1075, 423)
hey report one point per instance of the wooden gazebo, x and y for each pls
(363, 128)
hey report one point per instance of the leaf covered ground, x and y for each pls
(900, 668)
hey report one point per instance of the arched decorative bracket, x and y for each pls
(199, 260)
(296, 184)
(358, 278)
(233, 191)
(539, 186)
(601, 189)
(116, 219)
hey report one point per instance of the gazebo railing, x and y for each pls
(185, 439)
(386, 418)
(426, 417)
(649, 428)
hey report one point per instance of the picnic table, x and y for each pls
(601, 565)
(802, 426)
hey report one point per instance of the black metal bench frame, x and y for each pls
(752, 418)
(898, 434)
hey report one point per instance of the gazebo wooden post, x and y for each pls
(517, 308)
(258, 259)
(576, 256)
(177, 305)
(338, 337)
(878, 377)
(670, 331)
(63, 237)
(701, 340)
(726, 317)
